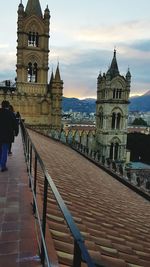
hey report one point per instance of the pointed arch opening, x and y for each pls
(114, 149)
(33, 39)
(32, 72)
(116, 121)
(100, 118)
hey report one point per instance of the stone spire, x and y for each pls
(20, 8)
(57, 74)
(128, 75)
(33, 8)
(47, 13)
(113, 70)
(51, 81)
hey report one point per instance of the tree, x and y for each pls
(140, 122)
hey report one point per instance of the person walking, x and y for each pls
(13, 136)
(8, 127)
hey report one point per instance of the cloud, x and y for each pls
(89, 51)
(104, 35)
(7, 65)
(141, 45)
(80, 68)
(4, 46)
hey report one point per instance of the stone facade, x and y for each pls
(38, 102)
(112, 112)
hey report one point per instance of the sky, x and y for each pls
(83, 35)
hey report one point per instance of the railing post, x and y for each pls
(27, 149)
(35, 180)
(30, 164)
(44, 219)
(77, 255)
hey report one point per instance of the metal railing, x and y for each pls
(81, 253)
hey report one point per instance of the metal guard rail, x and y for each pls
(80, 251)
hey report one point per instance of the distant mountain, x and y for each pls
(147, 93)
(88, 105)
(140, 103)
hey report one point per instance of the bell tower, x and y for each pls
(112, 112)
(37, 101)
(32, 48)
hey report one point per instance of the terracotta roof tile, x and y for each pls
(144, 263)
(135, 245)
(114, 220)
(123, 248)
(113, 262)
(102, 241)
(64, 247)
(143, 255)
(108, 251)
(129, 258)
(65, 258)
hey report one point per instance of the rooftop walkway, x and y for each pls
(18, 246)
(113, 219)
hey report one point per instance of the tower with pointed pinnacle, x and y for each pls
(112, 112)
(34, 96)
(56, 90)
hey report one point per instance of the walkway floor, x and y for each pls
(18, 246)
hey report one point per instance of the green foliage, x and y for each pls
(140, 122)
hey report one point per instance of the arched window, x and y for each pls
(113, 120)
(114, 151)
(101, 119)
(114, 93)
(111, 151)
(117, 93)
(116, 120)
(33, 39)
(32, 72)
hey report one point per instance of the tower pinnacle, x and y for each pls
(113, 70)
(33, 8)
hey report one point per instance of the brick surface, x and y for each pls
(114, 220)
(18, 245)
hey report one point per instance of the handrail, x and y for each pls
(81, 253)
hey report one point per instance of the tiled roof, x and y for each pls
(113, 219)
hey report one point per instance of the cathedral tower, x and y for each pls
(32, 48)
(112, 112)
(34, 97)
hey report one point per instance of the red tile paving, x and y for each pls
(18, 245)
(113, 219)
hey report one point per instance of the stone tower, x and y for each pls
(112, 112)
(38, 102)
(55, 88)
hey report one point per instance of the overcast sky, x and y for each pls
(83, 36)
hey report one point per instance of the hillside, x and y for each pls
(86, 105)
(138, 103)
(141, 103)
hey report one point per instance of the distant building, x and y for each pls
(112, 112)
(38, 102)
(136, 115)
(139, 129)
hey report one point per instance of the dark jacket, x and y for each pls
(8, 126)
